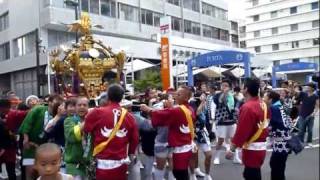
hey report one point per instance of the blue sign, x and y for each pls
(295, 66)
(291, 67)
(219, 58)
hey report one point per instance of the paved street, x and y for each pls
(304, 166)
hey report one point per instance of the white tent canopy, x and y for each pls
(212, 71)
(237, 72)
(137, 65)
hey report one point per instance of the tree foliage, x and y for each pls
(149, 79)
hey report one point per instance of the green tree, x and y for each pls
(149, 79)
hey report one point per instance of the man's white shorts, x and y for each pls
(204, 147)
(226, 131)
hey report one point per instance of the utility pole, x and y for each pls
(37, 60)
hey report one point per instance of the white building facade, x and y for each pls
(282, 31)
(198, 26)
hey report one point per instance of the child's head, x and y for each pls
(48, 160)
(70, 106)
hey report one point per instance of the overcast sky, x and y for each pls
(236, 9)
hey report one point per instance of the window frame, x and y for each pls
(256, 33)
(294, 10)
(273, 14)
(294, 44)
(315, 41)
(174, 2)
(256, 18)
(275, 47)
(294, 27)
(274, 30)
(130, 13)
(315, 23)
(112, 8)
(257, 49)
(4, 21)
(314, 5)
(5, 49)
(175, 20)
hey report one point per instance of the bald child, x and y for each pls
(48, 161)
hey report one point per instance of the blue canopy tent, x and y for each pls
(291, 67)
(219, 58)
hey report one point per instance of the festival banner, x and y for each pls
(165, 63)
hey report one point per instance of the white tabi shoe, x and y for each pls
(237, 160)
(198, 172)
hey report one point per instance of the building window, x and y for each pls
(256, 33)
(4, 21)
(256, 18)
(4, 51)
(275, 47)
(234, 38)
(276, 63)
(175, 2)
(84, 5)
(295, 60)
(257, 49)
(128, 13)
(224, 35)
(293, 10)
(156, 19)
(176, 24)
(255, 2)
(146, 17)
(94, 6)
(108, 8)
(234, 26)
(207, 31)
(315, 5)
(243, 44)
(216, 33)
(294, 27)
(316, 41)
(221, 13)
(213, 11)
(315, 23)
(24, 45)
(208, 9)
(295, 44)
(192, 5)
(56, 38)
(191, 27)
(274, 31)
(274, 14)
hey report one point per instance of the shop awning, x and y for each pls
(137, 65)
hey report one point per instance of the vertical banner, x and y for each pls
(165, 63)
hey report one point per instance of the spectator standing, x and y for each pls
(309, 108)
(280, 126)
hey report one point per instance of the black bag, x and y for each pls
(295, 143)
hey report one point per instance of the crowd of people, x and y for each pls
(119, 136)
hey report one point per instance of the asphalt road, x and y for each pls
(304, 166)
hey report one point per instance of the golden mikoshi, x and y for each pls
(79, 70)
